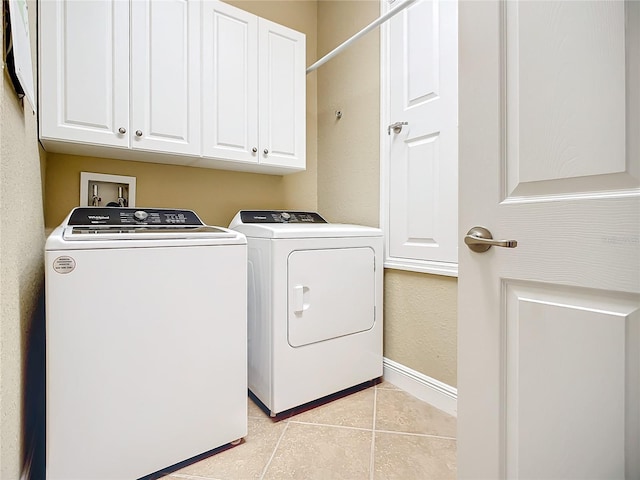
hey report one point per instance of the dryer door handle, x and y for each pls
(299, 304)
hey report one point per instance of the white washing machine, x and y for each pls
(146, 341)
(315, 306)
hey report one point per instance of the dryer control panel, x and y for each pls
(279, 216)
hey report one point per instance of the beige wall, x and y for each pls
(421, 323)
(299, 189)
(348, 148)
(216, 195)
(21, 264)
(420, 310)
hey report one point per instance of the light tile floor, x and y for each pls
(377, 433)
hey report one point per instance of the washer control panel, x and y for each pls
(279, 216)
(117, 216)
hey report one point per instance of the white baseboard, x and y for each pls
(427, 389)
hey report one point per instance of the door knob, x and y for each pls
(396, 127)
(479, 239)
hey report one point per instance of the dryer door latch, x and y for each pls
(299, 293)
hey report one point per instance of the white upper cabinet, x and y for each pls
(165, 76)
(229, 83)
(253, 92)
(89, 96)
(84, 72)
(282, 95)
(189, 82)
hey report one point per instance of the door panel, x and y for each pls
(166, 76)
(549, 367)
(230, 82)
(422, 55)
(84, 71)
(582, 103)
(331, 293)
(566, 358)
(565, 62)
(282, 95)
(424, 154)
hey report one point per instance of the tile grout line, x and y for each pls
(373, 437)
(428, 435)
(273, 454)
(190, 477)
(361, 429)
(330, 425)
(256, 417)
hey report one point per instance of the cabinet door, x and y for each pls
(230, 83)
(165, 76)
(84, 71)
(282, 91)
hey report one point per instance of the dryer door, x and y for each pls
(331, 293)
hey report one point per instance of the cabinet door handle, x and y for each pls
(254, 149)
(266, 151)
(138, 133)
(122, 130)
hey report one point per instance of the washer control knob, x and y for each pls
(285, 216)
(140, 215)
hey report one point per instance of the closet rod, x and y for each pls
(362, 32)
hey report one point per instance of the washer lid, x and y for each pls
(138, 232)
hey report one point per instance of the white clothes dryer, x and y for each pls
(315, 306)
(145, 341)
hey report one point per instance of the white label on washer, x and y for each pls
(64, 264)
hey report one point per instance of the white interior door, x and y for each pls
(423, 154)
(549, 331)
